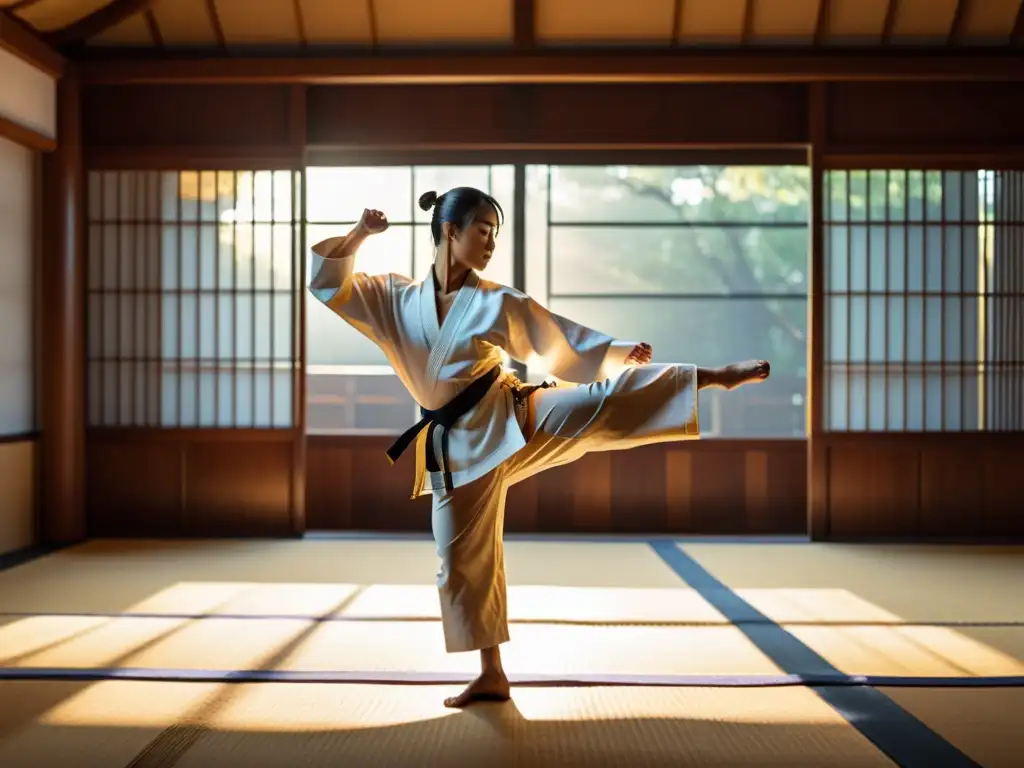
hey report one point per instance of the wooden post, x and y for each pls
(817, 454)
(62, 470)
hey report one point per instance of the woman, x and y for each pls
(482, 429)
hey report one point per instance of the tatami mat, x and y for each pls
(588, 609)
(203, 576)
(865, 583)
(983, 723)
(111, 723)
(370, 646)
(397, 646)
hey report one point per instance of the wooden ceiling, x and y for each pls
(292, 25)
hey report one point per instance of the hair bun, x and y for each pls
(427, 200)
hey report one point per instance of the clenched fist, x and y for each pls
(640, 355)
(372, 222)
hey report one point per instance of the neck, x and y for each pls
(448, 276)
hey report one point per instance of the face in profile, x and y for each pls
(473, 246)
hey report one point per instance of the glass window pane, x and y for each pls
(687, 259)
(631, 194)
(390, 251)
(339, 195)
(710, 332)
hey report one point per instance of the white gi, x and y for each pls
(614, 406)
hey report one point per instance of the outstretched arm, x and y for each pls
(360, 299)
(570, 351)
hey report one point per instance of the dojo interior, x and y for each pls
(205, 557)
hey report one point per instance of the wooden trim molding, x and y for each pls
(619, 66)
(19, 40)
(26, 137)
(19, 437)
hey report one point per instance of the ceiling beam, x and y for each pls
(371, 13)
(97, 22)
(890, 20)
(748, 22)
(154, 29)
(822, 22)
(1017, 35)
(956, 27)
(19, 4)
(16, 38)
(218, 28)
(300, 23)
(677, 22)
(550, 67)
(524, 23)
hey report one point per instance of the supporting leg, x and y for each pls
(467, 527)
(491, 685)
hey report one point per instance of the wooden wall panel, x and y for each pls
(184, 483)
(705, 487)
(924, 115)
(262, 120)
(241, 488)
(873, 491)
(964, 486)
(133, 488)
(125, 116)
(580, 115)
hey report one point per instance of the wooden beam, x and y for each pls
(19, 5)
(748, 22)
(218, 28)
(18, 39)
(821, 25)
(97, 22)
(817, 456)
(26, 137)
(1017, 35)
(890, 21)
(371, 13)
(111, 68)
(524, 22)
(300, 23)
(677, 22)
(956, 27)
(154, 29)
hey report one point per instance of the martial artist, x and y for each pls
(482, 429)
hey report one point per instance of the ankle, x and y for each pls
(490, 662)
(708, 377)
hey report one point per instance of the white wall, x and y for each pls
(27, 97)
(17, 379)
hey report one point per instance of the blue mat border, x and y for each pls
(896, 732)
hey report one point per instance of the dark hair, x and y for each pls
(458, 206)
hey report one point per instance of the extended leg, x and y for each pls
(734, 375)
(467, 527)
(648, 404)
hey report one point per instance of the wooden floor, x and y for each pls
(328, 651)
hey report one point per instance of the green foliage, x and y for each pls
(744, 231)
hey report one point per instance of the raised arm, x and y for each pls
(361, 299)
(570, 351)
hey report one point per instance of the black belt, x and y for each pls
(445, 416)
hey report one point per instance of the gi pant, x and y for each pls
(641, 406)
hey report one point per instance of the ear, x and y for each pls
(448, 230)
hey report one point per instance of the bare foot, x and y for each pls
(738, 374)
(490, 686)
